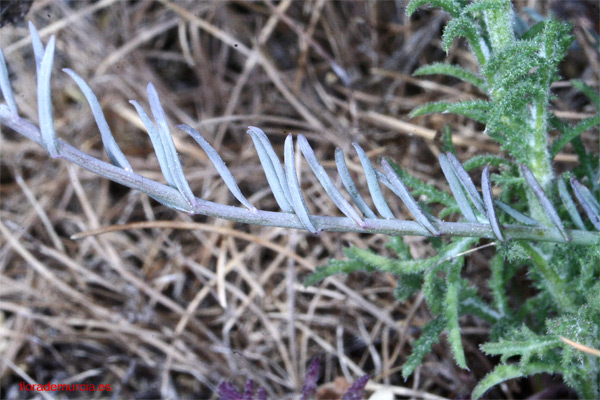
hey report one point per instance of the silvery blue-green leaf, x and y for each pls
(544, 201)
(168, 145)
(156, 143)
(384, 179)
(587, 201)
(113, 151)
(43, 93)
(44, 99)
(270, 172)
(373, 184)
(457, 189)
(399, 188)
(219, 164)
(342, 168)
(5, 86)
(189, 209)
(570, 205)
(588, 196)
(275, 161)
(522, 218)
(36, 43)
(466, 182)
(488, 201)
(326, 182)
(296, 193)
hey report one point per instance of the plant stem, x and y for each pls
(539, 161)
(392, 227)
(498, 24)
(499, 30)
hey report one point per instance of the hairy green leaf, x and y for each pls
(451, 312)
(572, 132)
(505, 372)
(422, 345)
(474, 109)
(589, 91)
(525, 344)
(464, 26)
(454, 71)
(335, 267)
(450, 6)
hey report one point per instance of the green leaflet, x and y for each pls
(407, 285)
(474, 109)
(464, 26)
(334, 267)
(487, 5)
(422, 345)
(571, 133)
(454, 71)
(525, 344)
(450, 6)
(482, 160)
(505, 372)
(385, 264)
(447, 145)
(589, 91)
(451, 312)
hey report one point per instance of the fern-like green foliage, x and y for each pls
(546, 224)
(515, 75)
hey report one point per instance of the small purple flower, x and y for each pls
(228, 392)
(261, 394)
(310, 380)
(355, 391)
(249, 390)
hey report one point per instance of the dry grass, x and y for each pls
(171, 307)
